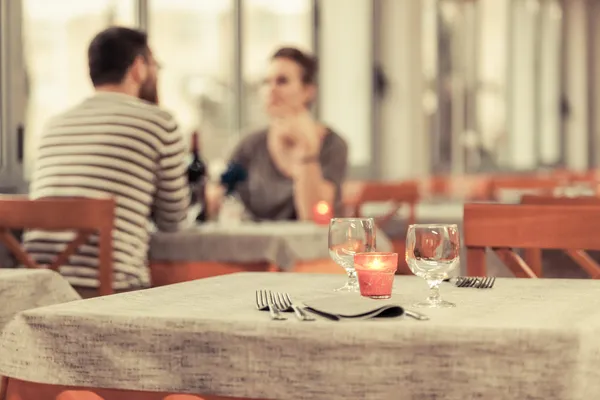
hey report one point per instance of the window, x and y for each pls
(269, 25)
(194, 41)
(346, 70)
(56, 36)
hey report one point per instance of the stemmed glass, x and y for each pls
(348, 236)
(432, 251)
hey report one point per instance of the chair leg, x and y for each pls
(476, 261)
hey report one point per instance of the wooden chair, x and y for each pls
(388, 192)
(504, 227)
(83, 215)
(396, 193)
(533, 257)
(465, 187)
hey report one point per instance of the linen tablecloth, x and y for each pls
(23, 289)
(523, 339)
(281, 243)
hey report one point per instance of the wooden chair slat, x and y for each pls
(515, 263)
(63, 257)
(13, 246)
(560, 201)
(583, 259)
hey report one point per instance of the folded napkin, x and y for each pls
(353, 306)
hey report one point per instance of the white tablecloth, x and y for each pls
(23, 289)
(280, 243)
(523, 339)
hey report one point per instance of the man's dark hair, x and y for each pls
(113, 51)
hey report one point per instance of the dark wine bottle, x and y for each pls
(197, 172)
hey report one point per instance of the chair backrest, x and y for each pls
(533, 257)
(85, 216)
(503, 227)
(557, 200)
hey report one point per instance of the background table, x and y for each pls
(216, 249)
(280, 243)
(525, 338)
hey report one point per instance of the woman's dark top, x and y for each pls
(268, 194)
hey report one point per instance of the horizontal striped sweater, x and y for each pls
(117, 145)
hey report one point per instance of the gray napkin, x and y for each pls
(353, 306)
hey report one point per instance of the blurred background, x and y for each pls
(417, 87)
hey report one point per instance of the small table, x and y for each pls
(525, 338)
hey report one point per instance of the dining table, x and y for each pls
(521, 339)
(25, 288)
(213, 248)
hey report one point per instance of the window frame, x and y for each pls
(12, 99)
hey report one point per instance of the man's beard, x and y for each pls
(149, 92)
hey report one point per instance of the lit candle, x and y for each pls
(375, 273)
(322, 213)
(376, 264)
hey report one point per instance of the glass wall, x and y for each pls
(347, 73)
(497, 68)
(56, 35)
(214, 55)
(194, 40)
(268, 25)
(550, 43)
(197, 43)
(491, 85)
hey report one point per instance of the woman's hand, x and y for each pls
(299, 133)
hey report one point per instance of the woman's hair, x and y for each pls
(306, 62)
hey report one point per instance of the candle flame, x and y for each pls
(322, 207)
(377, 264)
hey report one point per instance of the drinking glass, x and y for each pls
(348, 236)
(432, 251)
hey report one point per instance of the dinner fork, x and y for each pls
(264, 301)
(284, 302)
(475, 282)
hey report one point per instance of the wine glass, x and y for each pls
(432, 251)
(348, 236)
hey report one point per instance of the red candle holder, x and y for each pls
(376, 273)
(322, 213)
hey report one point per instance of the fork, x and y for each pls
(284, 302)
(475, 282)
(264, 301)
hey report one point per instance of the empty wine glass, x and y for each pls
(432, 251)
(348, 236)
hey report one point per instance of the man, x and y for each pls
(120, 143)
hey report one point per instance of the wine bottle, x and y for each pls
(197, 172)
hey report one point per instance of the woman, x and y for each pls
(296, 161)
